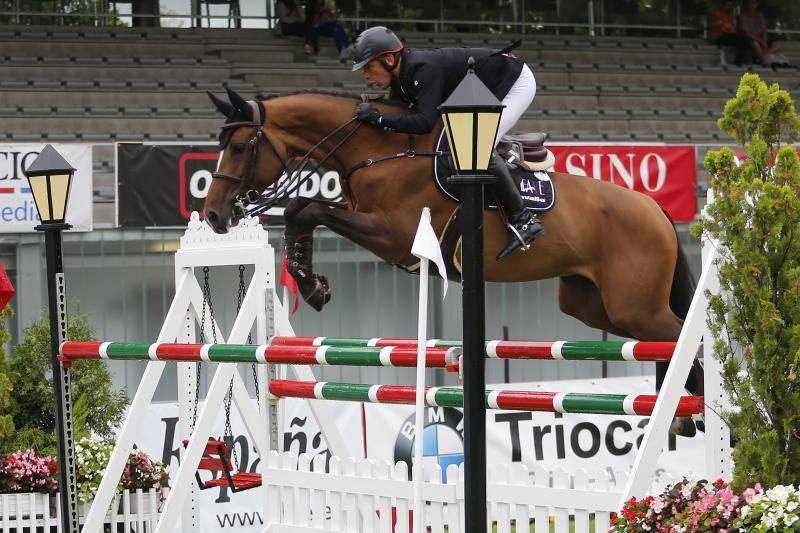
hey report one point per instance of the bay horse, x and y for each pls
(616, 252)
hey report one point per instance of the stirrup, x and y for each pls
(524, 246)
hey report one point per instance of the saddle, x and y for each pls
(528, 171)
(526, 150)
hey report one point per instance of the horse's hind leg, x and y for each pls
(638, 302)
(578, 297)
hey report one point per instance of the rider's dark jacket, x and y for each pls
(428, 76)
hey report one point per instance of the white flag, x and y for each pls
(426, 245)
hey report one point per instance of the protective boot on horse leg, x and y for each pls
(314, 288)
(523, 226)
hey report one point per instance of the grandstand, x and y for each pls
(590, 89)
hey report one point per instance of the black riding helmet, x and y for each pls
(374, 42)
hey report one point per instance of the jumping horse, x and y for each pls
(615, 251)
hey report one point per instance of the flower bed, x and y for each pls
(704, 506)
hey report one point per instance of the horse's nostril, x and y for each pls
(212, 217)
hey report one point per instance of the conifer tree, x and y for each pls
(755, 320)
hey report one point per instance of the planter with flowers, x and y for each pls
(140, 473)
(28, 483)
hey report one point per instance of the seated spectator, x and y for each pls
(723, 31)
(325, 25)
(753, 26)
(291, 21)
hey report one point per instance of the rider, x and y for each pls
(423, 78)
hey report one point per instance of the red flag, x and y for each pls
(287, 280)
(6, 288)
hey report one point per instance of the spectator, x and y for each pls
(753, 26)
(324, 22)
(723, 31)
(290, 20)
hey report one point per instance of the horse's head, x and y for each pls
(249, 161)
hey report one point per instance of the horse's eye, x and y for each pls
(238, 148)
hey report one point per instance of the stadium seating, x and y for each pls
(125, 83)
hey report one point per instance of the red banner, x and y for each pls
(668, 174)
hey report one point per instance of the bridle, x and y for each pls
(248, 201)
(248, 195)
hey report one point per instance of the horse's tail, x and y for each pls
(683, 283)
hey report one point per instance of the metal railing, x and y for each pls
(591, 23)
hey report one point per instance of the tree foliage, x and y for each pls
(6, 418)
(97, 408)
(755, 321)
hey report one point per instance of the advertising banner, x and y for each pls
(386, 432)
(667, 173)
(18, 210)
(161, 184)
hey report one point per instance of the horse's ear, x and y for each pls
(223, 107)
(239, 103)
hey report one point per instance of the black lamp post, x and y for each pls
(471, 117)
(50, 179)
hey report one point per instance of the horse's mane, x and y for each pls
(330, 92)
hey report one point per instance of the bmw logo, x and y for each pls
(444, 439)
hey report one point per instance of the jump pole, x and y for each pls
(500, 399)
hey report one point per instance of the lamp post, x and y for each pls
(50, 180)
(471, 117)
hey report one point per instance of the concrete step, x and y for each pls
(108, 72)
(127, 98)
(90, 48)
(262, 55)
(88, 125)
(275, 78)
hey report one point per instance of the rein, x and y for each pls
(296, 180)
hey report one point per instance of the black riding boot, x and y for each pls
(523, 227)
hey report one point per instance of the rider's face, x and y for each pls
(376, 75)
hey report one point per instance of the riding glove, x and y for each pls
(366, 113)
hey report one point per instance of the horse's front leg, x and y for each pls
(302, 216)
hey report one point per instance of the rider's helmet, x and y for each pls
(375, 42)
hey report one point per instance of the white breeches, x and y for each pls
(517, 101)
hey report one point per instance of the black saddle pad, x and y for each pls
(535, 187)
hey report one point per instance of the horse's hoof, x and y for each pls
(683, 426)
(324, 281)
(319, 294)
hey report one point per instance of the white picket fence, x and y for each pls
(364, 496)
(137, 512)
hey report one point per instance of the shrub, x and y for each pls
(97, 408)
